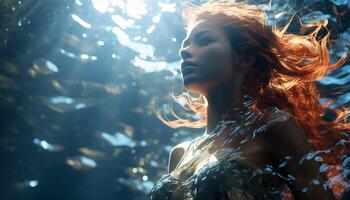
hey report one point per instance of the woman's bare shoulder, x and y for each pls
(276, 116)
(289, 147)
(277, 121)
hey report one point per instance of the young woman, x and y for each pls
(266, 135)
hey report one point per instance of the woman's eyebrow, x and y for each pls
(185, 42)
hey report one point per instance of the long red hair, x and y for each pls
(287, 67)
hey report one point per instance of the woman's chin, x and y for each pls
(190, 79)
(194, 86)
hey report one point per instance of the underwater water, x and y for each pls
(78, 79)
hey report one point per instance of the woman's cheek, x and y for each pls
(219, 62)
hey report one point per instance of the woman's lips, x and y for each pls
(188, 70)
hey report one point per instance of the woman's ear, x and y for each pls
(245, 62)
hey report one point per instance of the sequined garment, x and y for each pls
(228, 177)
(221, 180)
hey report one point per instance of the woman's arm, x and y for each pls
(289, 145)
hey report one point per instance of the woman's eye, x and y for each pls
(204, 40)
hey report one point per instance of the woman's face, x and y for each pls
(207, 57)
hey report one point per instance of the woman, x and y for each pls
(266, 135)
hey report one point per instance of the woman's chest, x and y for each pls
(252, 145)
(244, 148)
(253, 149)
(244, 140)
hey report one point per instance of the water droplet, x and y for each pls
(346, 161)
(282, 164)
(308, 156)
(318, 158)
(323, 168)
(306, 189)
(315, 181)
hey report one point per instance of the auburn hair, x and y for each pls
(288, 66)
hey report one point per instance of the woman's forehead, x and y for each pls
(203, 25)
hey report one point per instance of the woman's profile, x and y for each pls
(266, 135)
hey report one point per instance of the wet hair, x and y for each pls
(287, 66)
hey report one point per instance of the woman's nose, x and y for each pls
(185, 53)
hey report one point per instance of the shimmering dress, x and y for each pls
(214, 171)
(222, 180)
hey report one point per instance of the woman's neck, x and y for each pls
(221, 100)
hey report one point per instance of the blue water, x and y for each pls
(77, 82)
